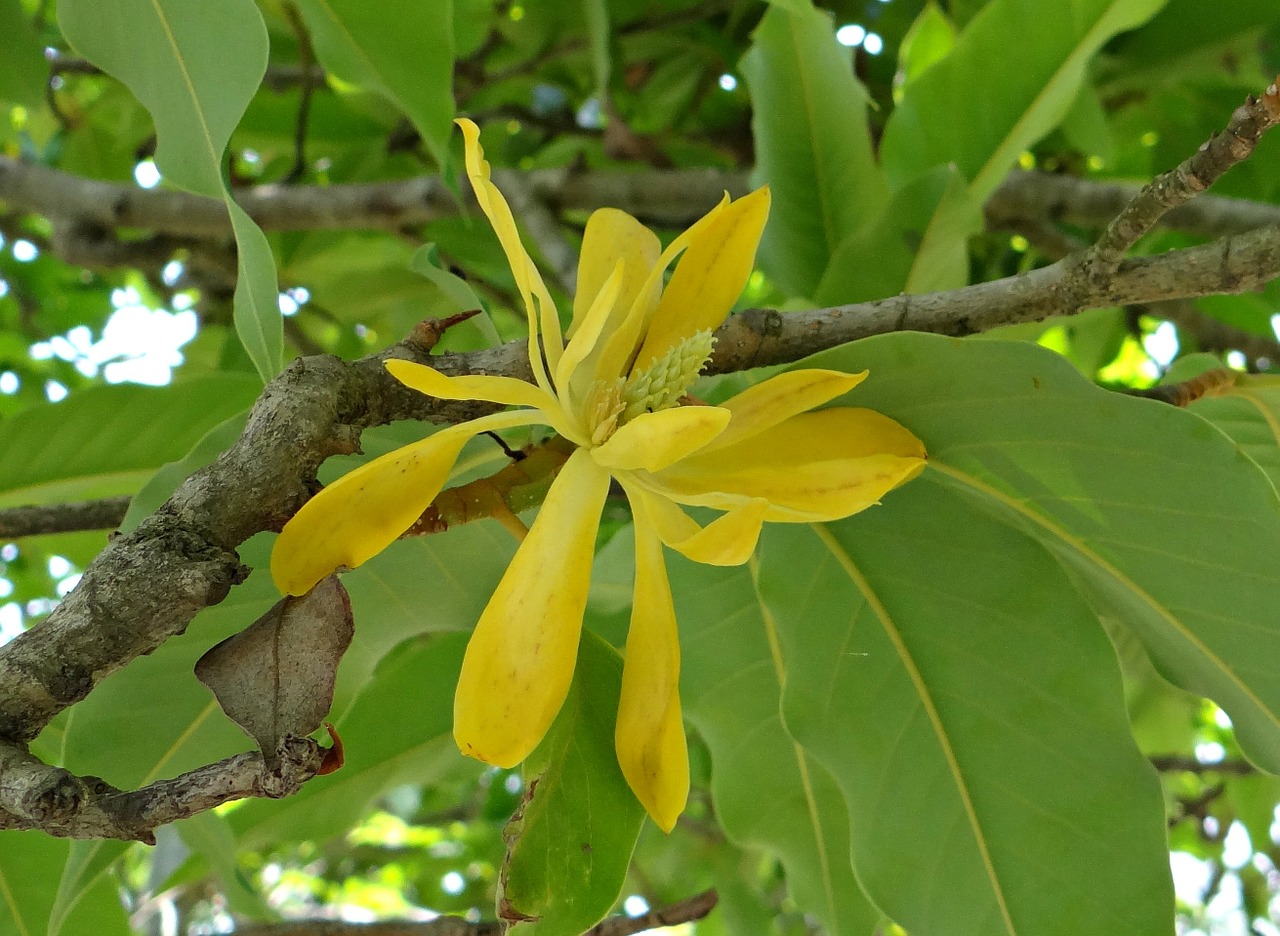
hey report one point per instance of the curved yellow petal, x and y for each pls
(729, 540)
(811, 467)
(782, 396)
(612, 235)
(652, 441)
(364, 511)
(539, 306)
(618, 353)
(505, 390)
(649, 735)
(519, 662)
(584, 341)
(710, 276)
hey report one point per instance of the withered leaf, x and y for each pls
(275, 678)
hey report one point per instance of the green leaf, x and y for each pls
(731, 684)
(579, 822)
(209, 834)
(109, 440)
(1249, 413)
(1186, 26)
(1163, 523)
(928, 41)
(398, 48)
(195, 67)
(956, 112)
(596, 13)
(918, 244)
(33, 870)
(813, 146)
(22, 80)
(959, 683)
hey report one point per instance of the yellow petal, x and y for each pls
(619, 351)
(649, 736)
(364, 511)
(519, 662)
(505, 390)
(585, 339)
(539, 306)
(728, 540)
(612, 235)
(780, 397)
(709, 277)
(811, 467)
(652, 441)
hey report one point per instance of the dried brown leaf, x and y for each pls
(275, 678)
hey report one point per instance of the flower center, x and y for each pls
(659, 386)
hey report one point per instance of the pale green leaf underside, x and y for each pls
(1166, 525)
(970, 708)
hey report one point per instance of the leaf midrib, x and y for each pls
(860, 582)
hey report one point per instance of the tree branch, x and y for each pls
(104, 514)
(684, 911)
(34, 795)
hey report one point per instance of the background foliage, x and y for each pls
(1002, 702)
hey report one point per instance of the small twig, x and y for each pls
(1180, 185)
(104, 514)
(306, 59)
(34, 795)
(1173, 763)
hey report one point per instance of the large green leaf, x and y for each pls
(813, 146)
(194, 66)
(401, 49)
(1162, 521)
(110, 440)
(970, 707)
(770, 793)
(579, 826)
(956, 113)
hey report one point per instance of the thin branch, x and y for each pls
(684, 911)
(278, 77)
(104, 514)
(1184, 182)
(307, 60)
(1174, 763)
(34, 795)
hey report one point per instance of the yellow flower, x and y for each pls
(615, 390)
